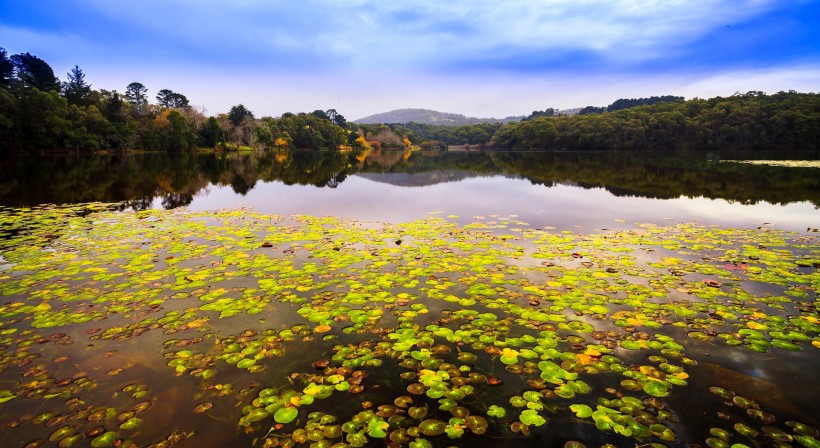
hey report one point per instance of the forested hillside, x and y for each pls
(430, 117)
(743, 121)
(38, 112)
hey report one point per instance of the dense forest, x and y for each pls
(752, 120)
(38, 112)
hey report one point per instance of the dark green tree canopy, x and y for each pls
(76, 90)
(624, 103)
(336, 118)
(592, 110)
(238, 114)
(171, 100)
(136, 94)
(34, 72)
(113, 108)
(6, 68)
(320, 114)
(212, 134)
(550, 112)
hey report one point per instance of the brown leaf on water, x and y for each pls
(321, 364)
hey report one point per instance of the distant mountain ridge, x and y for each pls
(427, 116)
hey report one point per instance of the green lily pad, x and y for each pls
(285, 415)
(496, 411)
(656, 389)
(532, 418)
(581, 410)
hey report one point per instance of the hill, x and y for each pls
(426, 116)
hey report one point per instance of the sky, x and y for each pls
(474, 57)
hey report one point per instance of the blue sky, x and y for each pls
(476, 57)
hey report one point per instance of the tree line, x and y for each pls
(752, 120)
(38, 112)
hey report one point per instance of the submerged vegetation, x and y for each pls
(238, 328)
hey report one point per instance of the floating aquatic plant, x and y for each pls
(328, 331)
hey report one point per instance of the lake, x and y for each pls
(564, 190)
(409, 299)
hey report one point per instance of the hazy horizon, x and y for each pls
(478, 59)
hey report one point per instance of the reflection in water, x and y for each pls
(173, 180)
(562, 189)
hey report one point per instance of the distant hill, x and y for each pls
(426, 116)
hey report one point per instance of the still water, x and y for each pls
(408, 299)
(563, 190)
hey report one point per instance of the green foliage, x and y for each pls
(385, 307)
(76, 90)
(744, 121)
(171, 100)
(238, 114)
(591, 110)
(306, 131)
(34, 72)
(6, 69)
(136, 94)
(34, 116)
(624, 103)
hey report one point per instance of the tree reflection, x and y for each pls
(174, 200)
(136, 180)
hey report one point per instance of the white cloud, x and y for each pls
(803, 78)
(415, 32)
(363, 57)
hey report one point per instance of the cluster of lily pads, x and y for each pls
(149, 328)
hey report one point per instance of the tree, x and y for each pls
(550, 112)
(113, 108)
(76, 90)
(320, 114)
(171, 99)
(136, 94)
(238, 113)
(35, 72)
(6, 69)
(211, 134)
(335, 117)
(589, 110)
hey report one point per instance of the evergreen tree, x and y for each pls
(34, 72)
(136, 94)
(6, 69)
(238, 113)
(171, 100)
(76, 90)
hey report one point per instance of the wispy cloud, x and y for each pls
(490, 57)
(413, 33)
